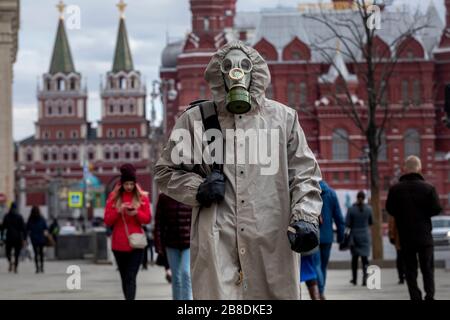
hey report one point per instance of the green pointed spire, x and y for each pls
(123, 60)
(62, 57)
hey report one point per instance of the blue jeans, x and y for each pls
(325, 250)
(179, 262)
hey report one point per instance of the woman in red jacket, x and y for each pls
(127, 209)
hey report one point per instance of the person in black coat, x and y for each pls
(38, 232)
(412, 202)
(14, 228)
(358, 220)
(172, 240)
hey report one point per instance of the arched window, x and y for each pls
(121, 108)
(49, 84)
(91, 154)
(74, 154)
(133, 82)
(291, 94)
(69, 109)
(340, 145)
(127, 152)
(49, 111)
(417, 92)
(405, 92)
(107, 154)
(54, 155)
(202, 93)
(73, 84)
(110, 133)
(382, 151)
(29, 155)
(384, 93)
(60, 135)
(131, 108)
(133, 132)
(122, 83)
(121, 133)
(111, 109)
(116, 153)
(412, 143)
(303, 94)
(45, 155)
(74, 134)
(206, 24)
(296, 55)
(61, 84)
(136, 152)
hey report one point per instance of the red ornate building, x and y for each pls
(64, 140)
(302, 79)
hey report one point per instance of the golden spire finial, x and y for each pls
(122, 5)
(61, 7)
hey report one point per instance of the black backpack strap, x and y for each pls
(210, 120)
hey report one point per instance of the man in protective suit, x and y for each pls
(248, 225)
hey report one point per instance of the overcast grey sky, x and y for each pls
(148, 22)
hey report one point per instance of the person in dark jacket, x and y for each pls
(412, 202)
(358, 220)
(14, 227)
(172, 237)
(37, 231)
(331, 212)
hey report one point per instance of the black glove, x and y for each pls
(303, 236)
(212, 189)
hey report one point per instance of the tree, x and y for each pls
(373, 61)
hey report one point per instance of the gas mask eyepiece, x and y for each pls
(236, 69)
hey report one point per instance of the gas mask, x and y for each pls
(236, 70)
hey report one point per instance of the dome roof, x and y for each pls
(170, 54)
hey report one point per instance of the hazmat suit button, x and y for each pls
(242, 251)
(242, 201)
(240, 117)
(242, 229)
(242, 172)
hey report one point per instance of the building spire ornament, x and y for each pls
(122, 5)
(61, 7)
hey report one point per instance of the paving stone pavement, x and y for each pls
(102, 282)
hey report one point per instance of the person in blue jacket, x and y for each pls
(331, 212)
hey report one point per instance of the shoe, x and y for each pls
(10, 268)
(169, 278)
(15, 269)
(322, 297)
(353, 282)
(401, 281)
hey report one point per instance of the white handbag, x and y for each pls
(136, 240)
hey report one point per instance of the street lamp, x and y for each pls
(166, 92)
(164, 89)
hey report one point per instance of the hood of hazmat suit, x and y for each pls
(239, 247)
